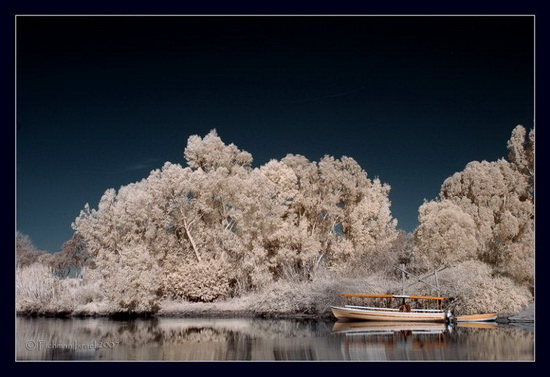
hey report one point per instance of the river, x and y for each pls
(240, 339)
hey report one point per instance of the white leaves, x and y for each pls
(497, 197)
(35, 285)
(521, 148)
(332, 211)
(283, 177)
(133, 283)
(210, 153)
(243, 227)
(446, 234)
(478, 290)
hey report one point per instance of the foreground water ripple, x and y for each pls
(240, 339)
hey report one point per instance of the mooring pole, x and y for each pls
(402, 278)
(436, 282)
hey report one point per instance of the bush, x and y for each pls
(40, 291)
(35, 288)
(204, 281)
(476, 291)
(284, 297)
(293, 296)
(132, 283)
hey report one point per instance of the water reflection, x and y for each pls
(257, 339)
(478, 325)
(392, 340)
(388, 328)
(434, 341)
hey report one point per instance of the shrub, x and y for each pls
(35, 288)
(204, 281)
(476, 291)
(40, 291)
(284, 297)
(132, 284)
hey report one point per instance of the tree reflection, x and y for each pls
(262, 339)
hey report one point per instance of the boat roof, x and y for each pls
(414, 297)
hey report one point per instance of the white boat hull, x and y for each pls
(477, 317)
(366, 314)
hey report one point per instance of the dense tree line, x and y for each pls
(220, 228)
(485, 213)
(72, 258)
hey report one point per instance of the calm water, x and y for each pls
(265, 340)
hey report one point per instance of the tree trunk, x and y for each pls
(193, 245)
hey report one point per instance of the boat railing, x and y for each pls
(390, 296)
(389, 301)
(428, 310)
(371, 308)
(376, 308)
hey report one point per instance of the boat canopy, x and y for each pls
(412, 297)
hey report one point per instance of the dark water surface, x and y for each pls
(217, 339)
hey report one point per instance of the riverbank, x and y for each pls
(474, 291)
(242, 307)
(527, 315)
(234, 308)
(228, 309)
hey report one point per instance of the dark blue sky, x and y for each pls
(101, 101)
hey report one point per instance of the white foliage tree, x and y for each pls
(219, 227)
(25, 251)
(332, 212)
(210, 153)
(492, 207)
(446, 234)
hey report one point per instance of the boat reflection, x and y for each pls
(392, 340)
(378, 328)
(478, 325)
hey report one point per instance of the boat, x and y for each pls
(388, 307)
(476, 317)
